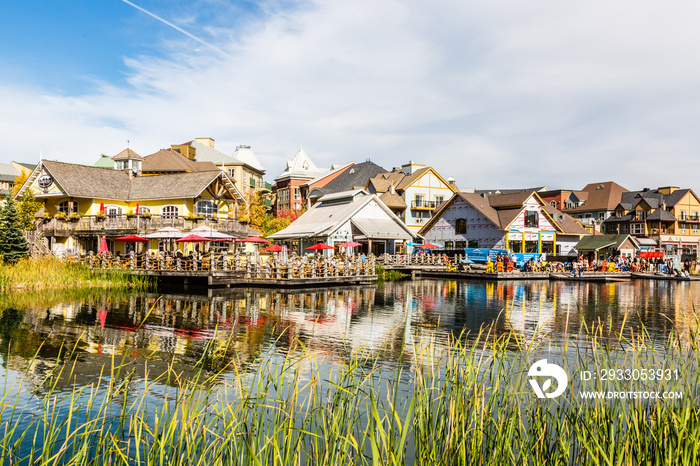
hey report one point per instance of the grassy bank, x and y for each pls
(388, 275)
(471, 405)
(50, 273)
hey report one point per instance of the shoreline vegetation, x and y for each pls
(31, 274)
(388, 275)
(469, 405)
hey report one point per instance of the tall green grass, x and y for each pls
(469, 405)
(49, 272)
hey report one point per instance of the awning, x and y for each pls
(380, 229)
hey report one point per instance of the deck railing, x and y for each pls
(272, 267)
(141, 223)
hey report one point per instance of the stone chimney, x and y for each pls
(209, 142)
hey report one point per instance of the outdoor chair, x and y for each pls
(499, 267)
(509, 268)
(489, 267)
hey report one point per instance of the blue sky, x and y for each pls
(496, 94)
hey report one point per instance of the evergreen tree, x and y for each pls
(13, 244)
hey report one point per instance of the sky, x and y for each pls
(497, 94)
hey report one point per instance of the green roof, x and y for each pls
(105, 161)
(597, 242)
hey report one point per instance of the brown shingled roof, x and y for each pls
(566, 222)
(96, 182)
(498, 201)
(171, 161)
(393, 201)
(127, 154)
(601, 196)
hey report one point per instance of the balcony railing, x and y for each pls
(131, 224)
(420, 204)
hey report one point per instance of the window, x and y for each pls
(206, 208)
(612, 229)
(460, 244)
(694, 217)
(232, 172)
(68, 207)
(515, 246)
(531, 219)
(682, 227)
(473, 243)
(439, 200)
(170, 211)
(284, 195)
(643, 214)
(601, 216)
(461, 226)
(532, 247)
(684, 215)
(449, 245)
(553, 203)
(637, 229)
(625, 228)
(297, 194)
(121, 164)
(695, 228)
(144, 210)
(618, 214)
(113, 211)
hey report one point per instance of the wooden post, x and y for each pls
(132, 263)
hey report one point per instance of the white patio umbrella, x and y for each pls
(209, 232)
(166, 233)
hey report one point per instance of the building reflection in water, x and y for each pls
(388, 320)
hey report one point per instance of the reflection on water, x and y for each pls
(161, 329)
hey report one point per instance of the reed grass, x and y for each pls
(50, 273)
(387, 275)
(469, 405)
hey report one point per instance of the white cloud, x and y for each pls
(492, 93)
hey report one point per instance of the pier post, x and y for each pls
(132, 264)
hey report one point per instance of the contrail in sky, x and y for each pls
(191, 36)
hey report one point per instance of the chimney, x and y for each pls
(209, 142)
(451, 182)
(392, 190)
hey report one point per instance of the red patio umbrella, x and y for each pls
(320, 246)
(132, 239)
(349, 244)
(428, 246)
(192, 239)
(103, 246)
(253, 239)
(102, 208)
(274, 248)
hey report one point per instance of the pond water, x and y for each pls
(158, 329)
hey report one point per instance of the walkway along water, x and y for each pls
(241, 270)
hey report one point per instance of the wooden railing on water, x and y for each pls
(414, 259)
(274, 268)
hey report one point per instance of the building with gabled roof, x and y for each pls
(520, 222)
(354, 176)
(348, 216)
(421, 188)
(669, 216)
(594, 203)
(287, 187)
(167, 161)
(242, 166)
(599, 247)
(83, 203)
